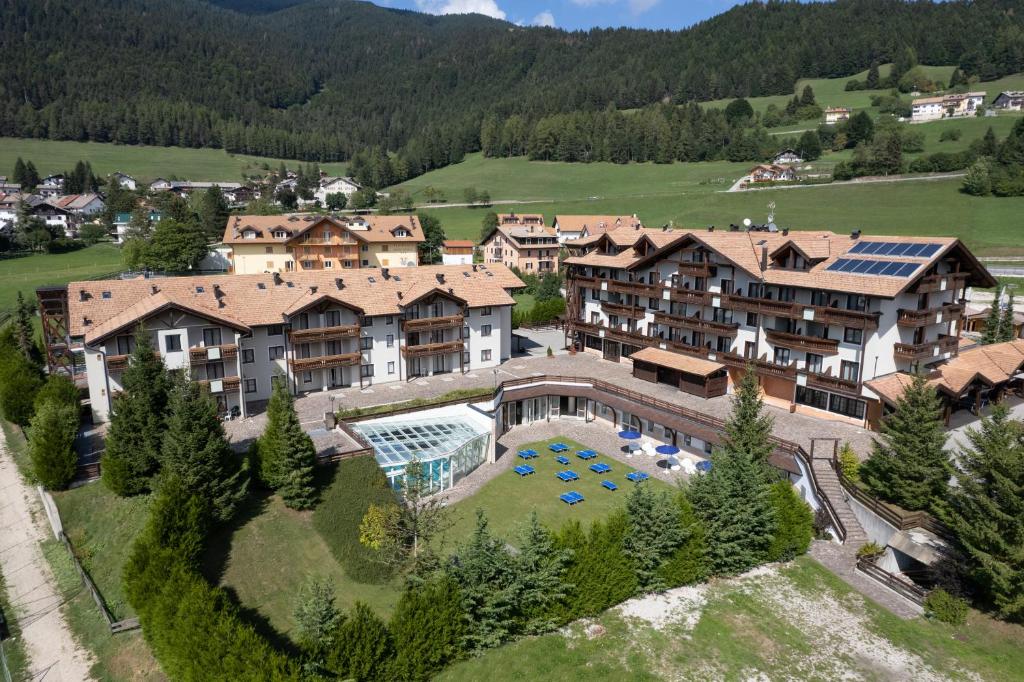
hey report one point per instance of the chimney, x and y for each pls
(277, 279)
(474, 267)
(711, 228)
(339, 282)
(86, 321)
(83, 296)
(386, 273)
(154, 289)
(312, 289)
(855, 234)
(764, 257)
(785, 232)
(440, 277)
(399, 295)
(217, 291)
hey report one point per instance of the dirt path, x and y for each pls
(54, 655)
(872, 180)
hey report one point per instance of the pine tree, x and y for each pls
(19, 174)
(873, 78)
(363, 647)
(51, 439)
(316, 618)
(483, 569)
(23, 334)
(20, 380)
(809, 146)
(599, 574)
(540, 566)
(653, 535)
(990, 334)
(1006, 322)
(138, 421)
(794, 527)
(286, 453)
(688, 563)
(749, 428)
(908, 464)
(196, 450)
(428, 627)
(807, 97)
(986, 511)
(989, 144)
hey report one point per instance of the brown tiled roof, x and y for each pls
(595, 224)
(677, 361)
(520, 218)
(239, 300)
(372, 229)
(458, 243)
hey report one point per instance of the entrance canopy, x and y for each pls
(677, 361)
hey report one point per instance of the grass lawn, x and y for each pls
(794, 622)
(143, 163)
(524, 301)
(25, 273)
(508, 499)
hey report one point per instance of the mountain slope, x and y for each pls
(324, 78)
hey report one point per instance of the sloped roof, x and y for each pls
(595, 224)
(677, 361)
(371, 229)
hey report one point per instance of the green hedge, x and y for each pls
(541, 312)
(459, 394)
(357, 484)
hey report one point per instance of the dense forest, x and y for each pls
(324, 79)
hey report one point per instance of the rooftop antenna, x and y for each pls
(771, 212)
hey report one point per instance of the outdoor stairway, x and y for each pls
(830, 488)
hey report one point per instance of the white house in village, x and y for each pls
(346, 186)
(946, 106)
(1009, 100)
(124, 180)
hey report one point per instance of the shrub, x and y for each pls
(19, 381)
(944, 607)
(849, 463)
(363, 648)
(951, 134)
(869, 550)
(794, 523)
(599, 572)
(357, 484)
(58, 389)
(428, 628)
(51, 438)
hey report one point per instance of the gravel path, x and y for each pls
(54, 655)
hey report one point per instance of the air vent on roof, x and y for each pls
(785, 232)
(277, 278)
(217, 291)
(399, 295)
(83, 295)
(372, 280)
(465, 274)
(290, 284)
(293, 219)
(261, 285)
(200, 290)
(396, 278)
(711, 228)
(474, 267)
(855, 234)
(312, 289)
(450, 290)
(86, 321)
(221, 303)
(386, 273)
(339, 282)
(440, 277)
(490, 274)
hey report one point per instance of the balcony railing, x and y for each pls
(950, 312)
(631, 338)
(638, 288)
(222, 385)
(691, 296)
(695, 269)
(322, 333)
(857, 319)
(948, 282)
(925, 351)
(762, 306)
(763, 367)
(432, 349)
(628, 311)
(697, 324)
(325, 362)
(426, 324)
(833, 383)
(801, 342)
(198, 356)
(117, 363)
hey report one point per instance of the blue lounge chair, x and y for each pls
(524, 470)
(586, 454)
(523, 454)
(571, 498)
(609, 485)
(562, 459)
(558, 447)
(704, 466)
(637, 476)
(531, 452)
(567, 476)
(600, 468)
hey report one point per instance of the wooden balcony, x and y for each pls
(198, 356)
(697, 324)
(630, 312)
(857, 319)
(589, 282)
(630, 338)
(323, 333)
(801, 342)
(117, 363)
(325, 362)
(426, 324)
(426, 349)
(934, 283)
(832, 383)
(691, 296)
(637, 288)
(913, 352)
(226, 384)
(763, 367)
(950, 312)
(761, 306)
(696, 269)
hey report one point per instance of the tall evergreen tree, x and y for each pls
(541, 567)
(1007, 325)
(286, 452)
(908, 464)
(19, 174)
(51, 439)
(654, 533)
(807, 97)
(213, 213)
(138, 421)
(20, 380)
(809, 146)
(688, 563)
(794, 527)
(873, 78)
(363, 647)
(990, 334)
(197, 451)
(23, 333)
(317, 617)
(599, 574)
(429, 627)
(986, 511)
(749, 427)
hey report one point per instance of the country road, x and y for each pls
(855, 181)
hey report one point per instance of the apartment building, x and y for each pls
(569, 227)
(294, 243)
(817, 314)
(834, 115)
(316, 330)
(946, 106)
(523, 242)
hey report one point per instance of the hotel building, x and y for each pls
(522, 242)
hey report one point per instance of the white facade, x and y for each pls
(457, 258)
(344, 186)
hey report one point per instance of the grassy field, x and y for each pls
(794, 622)
(144, 163)
(25, 273)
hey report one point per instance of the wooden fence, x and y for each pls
(907, 589)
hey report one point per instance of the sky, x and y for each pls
(578, 14)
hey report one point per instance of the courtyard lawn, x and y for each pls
(797, 621)
(25, 273)
(508, 499)
(144, 163)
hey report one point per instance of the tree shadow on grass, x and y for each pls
(220, 541)
(262, 626)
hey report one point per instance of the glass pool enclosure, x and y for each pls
(447, 447)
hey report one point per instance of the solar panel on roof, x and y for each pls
(906, 249)
(867, 266)
(929, 250)
(862, 266)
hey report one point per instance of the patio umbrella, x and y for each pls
(629, 435)
(667, 450)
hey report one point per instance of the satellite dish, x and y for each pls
(746, 222)
(772, 227)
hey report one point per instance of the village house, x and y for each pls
(946, 106)
(772, 172)
(125, 181)
(122, 220)
(522, 242)
(186, 187)
(787, 156)
(9, 187)
(83, 205)
(834, 115)
(331, 185)
(1009, 100)
(581, 226)
(457, 252)
(289, 243)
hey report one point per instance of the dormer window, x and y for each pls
(249, 234)
(200, 290)
(401, 233)
(105, 294)
(280, 234)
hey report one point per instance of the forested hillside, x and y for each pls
(326, 78)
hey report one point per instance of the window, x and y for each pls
(211, 337)
(851, 335)
(529, 265)
(707, 448)
(172, 342)
(595, 294)
(268, 249)
(307, 265)
(307, 377)
(781, 356)
(125, 344)
(727, 286)
(366, 371)
(485, 355)
(751, 319)
(364, 248)
(724, 344)
(814, 362)
(812, 397)
(105, 294)
(248, 356)
(250, 385)
(856, 302)
(275, 330)
(819, 298)
(327, 235)
(364, 263)
(367, 321)
(390, 319)
(722, 315)
(485, 311)
(595, 317)
(365, 343)
(215, 370)
(849, 407)
(754, 290)
(749, 349)
(687, 440)
(391, 340)
(849, 370)
(485, 330)
(276, 352)
(465, 357)
(328, 265)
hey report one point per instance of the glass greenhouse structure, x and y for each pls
(447, 447)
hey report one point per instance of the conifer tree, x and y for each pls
(794, 527)
(286, 452)
(990, 334)
(653, 535)
(807, 97)
(196, 450)
(20, 380)
(23, 334)
(483, 569)
(429, 627)
(541, 567)
(316, 618)
(986, 511)
(51, 440)
(873, 78)
(599, 574)
(908, 464)
(19, 174)
(749, 428)
(138, 421)
(688, 563)
(363, 647)
(1006, 323)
